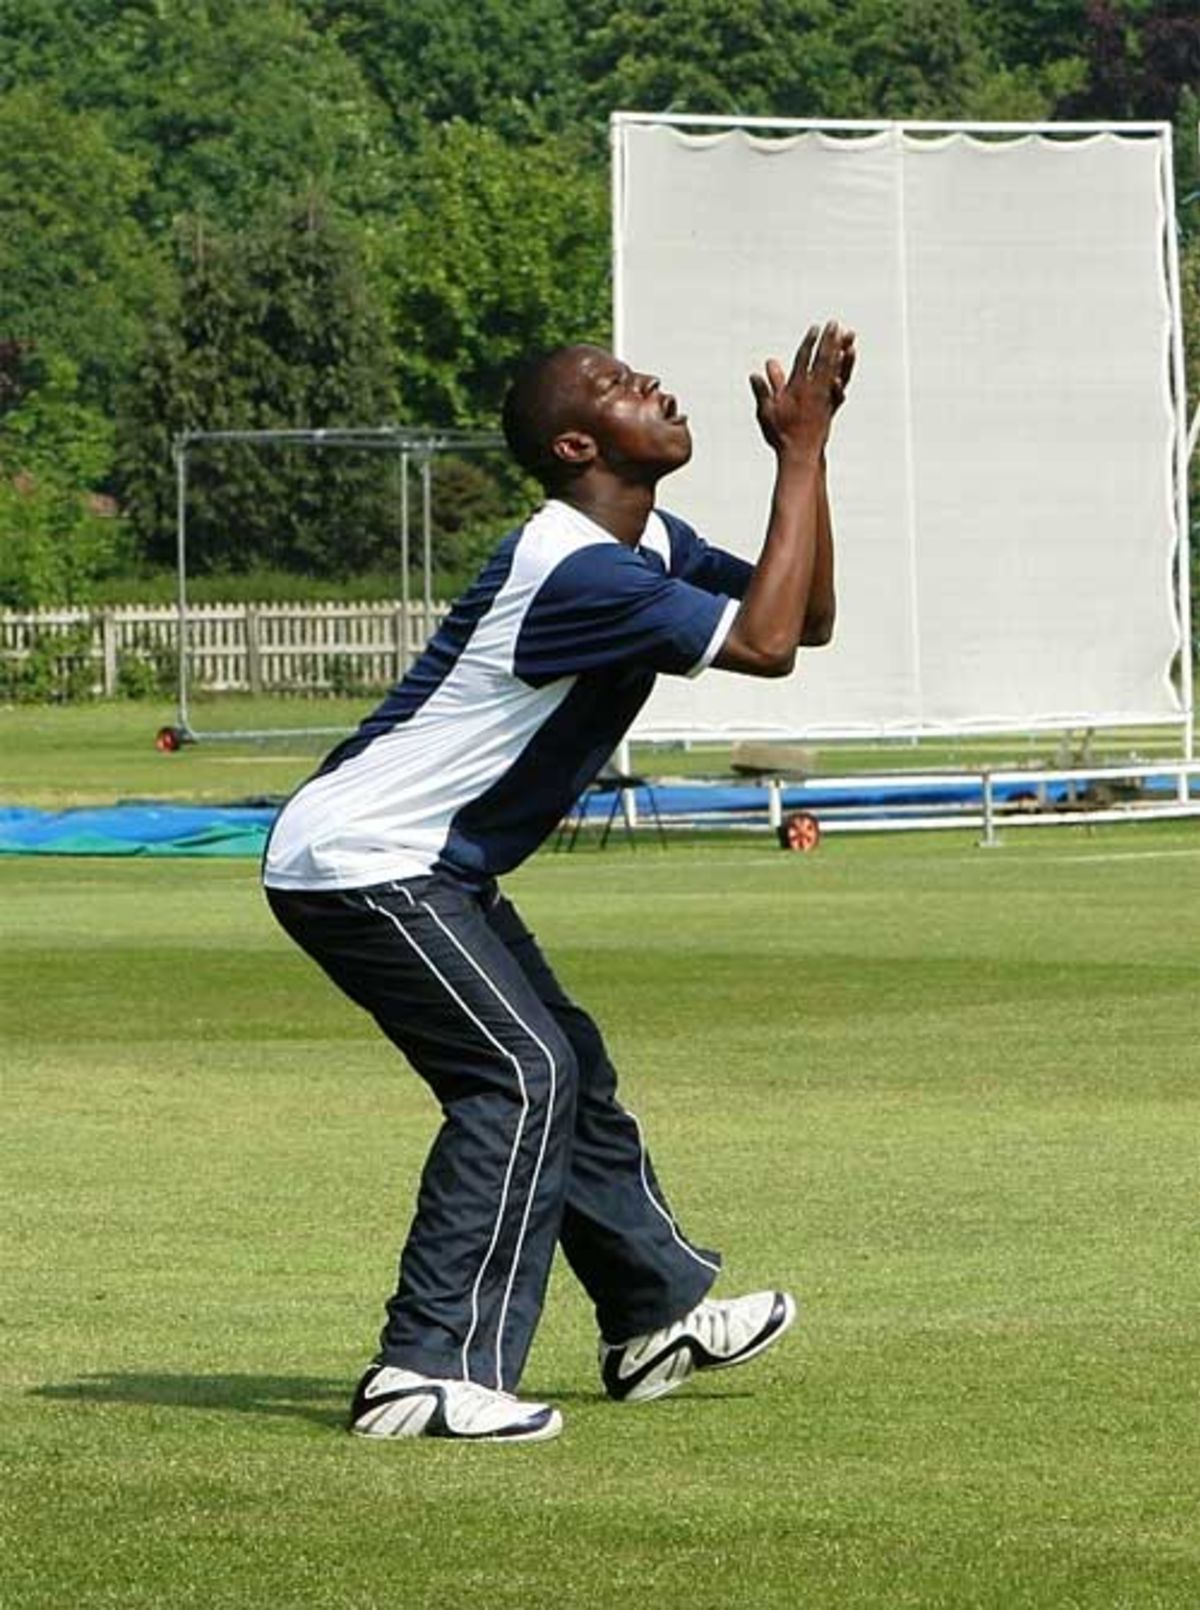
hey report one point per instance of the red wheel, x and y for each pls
(800, 831)
(168, 740)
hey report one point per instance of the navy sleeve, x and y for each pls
(694, 561)
(605, 605)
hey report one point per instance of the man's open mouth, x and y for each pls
(670, 408)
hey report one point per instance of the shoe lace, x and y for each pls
(710, 1321)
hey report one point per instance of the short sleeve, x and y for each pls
(695, 561)
(607, 606)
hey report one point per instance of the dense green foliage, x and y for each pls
(54, 541)
(315, 212)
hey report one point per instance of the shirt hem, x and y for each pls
(382, 871)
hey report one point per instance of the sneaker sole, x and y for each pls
(542, 1433)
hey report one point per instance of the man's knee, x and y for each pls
(560, 1084)
(543, 1071)
(584, 1038)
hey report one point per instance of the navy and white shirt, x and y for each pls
(518, 701)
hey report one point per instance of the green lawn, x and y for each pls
(949, 1097)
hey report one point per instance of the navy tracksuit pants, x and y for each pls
(534, 1150)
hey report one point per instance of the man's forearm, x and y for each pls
(822, 600)
(772, 618)
(789, 599)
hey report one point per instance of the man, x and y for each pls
(383, 868)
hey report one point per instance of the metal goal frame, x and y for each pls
(415, 449)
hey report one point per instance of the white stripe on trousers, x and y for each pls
(537, 1169)
(657, 1205)
(518, 1137)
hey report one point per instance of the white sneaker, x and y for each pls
(391, 1402)
(713, 1336)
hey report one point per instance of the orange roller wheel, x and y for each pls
(800, 831)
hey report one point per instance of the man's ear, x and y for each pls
(574, 447)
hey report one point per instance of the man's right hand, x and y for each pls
(795, 411)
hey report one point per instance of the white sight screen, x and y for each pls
(1002, 475)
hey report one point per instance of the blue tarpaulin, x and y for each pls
(142, 828)
(136, 830)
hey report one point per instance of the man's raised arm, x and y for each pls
(790, 599)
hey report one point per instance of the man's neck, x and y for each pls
(618, 506)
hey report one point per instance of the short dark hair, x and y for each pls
(533, 415)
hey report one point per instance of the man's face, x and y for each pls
(633, 424)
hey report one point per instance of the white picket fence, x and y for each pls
(250, 648)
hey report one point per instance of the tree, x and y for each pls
(77, 274)
(15, 378)
(225, 104)
(497, 251)
(57, 535)
(276, 328)
(747, 57)
(931, 59)
(49, 43)
(510, 67)
(1169, 48)
(1033, 33)
(1141, 60)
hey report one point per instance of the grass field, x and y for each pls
(949, 1096)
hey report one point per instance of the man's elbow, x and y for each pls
(768, 661)
(818, 630)
(778, 665)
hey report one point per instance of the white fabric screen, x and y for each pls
(1003, 473)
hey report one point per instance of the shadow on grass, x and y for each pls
(691, 1394)
(304, 1397)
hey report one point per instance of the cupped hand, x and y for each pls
(795, 410)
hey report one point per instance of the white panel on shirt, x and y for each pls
(384, 814)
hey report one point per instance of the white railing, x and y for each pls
(252, 648)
